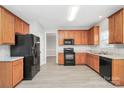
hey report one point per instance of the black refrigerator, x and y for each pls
(28, 46)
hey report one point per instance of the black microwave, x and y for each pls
(68, 41)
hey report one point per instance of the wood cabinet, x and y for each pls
(93, 36)
(18, 25)
(81, 37)
(9, 26)
(84, 37)
(80, 58)
(93, 62)
(7, 35)
(118, 72)
(61, 58)
(21, 27)
(17, 71)
(11, 73)
(116, 28)
(77, 37)
(25, 28)
(61, 37)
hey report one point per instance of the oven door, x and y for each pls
(69, 56)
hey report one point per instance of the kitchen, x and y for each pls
(99, 47)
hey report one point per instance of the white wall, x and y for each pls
(36, 29)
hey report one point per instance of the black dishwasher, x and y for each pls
(106, 68)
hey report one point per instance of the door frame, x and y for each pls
(46, 45)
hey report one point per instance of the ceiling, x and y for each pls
(55, 16)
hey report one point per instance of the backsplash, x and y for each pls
(77, 48)
(4, 50)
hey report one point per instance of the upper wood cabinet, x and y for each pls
(93, 36)
(7, 35)
(77, 37)
(116, 28)
(81, 37)
(10, 25)
(18, 25)
(25, 28)
(21, 27)
(84, 37)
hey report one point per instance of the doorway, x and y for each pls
(50, 47)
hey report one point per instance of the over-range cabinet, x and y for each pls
(29, 47)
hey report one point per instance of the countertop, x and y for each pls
(111, 56)
(9, 59)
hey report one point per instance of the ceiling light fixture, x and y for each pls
(100, 17)
(73, 10)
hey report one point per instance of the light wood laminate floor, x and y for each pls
(59, 76)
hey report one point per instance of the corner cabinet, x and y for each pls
(116, 28)
(93, 36)
(7, 34)
(93, 62)
(80, 58)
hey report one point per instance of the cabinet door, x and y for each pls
(61, 59)
(6, 75)
(7, 28)
(84, 37)
(83, 58)
(70, 34)
(96, 63)
(78, 58)
(25, 28)
(17, 71)
(85, 40)
(89, 37)
(111, 29)
(118, 32)
(78, 37)
(18, 26)
(61, 37)
(96, 35)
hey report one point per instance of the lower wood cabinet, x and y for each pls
(80, 58)
(11, 73)
(61, 58)
(93, 62)
(118, 72)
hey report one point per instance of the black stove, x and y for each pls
(69, 57)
